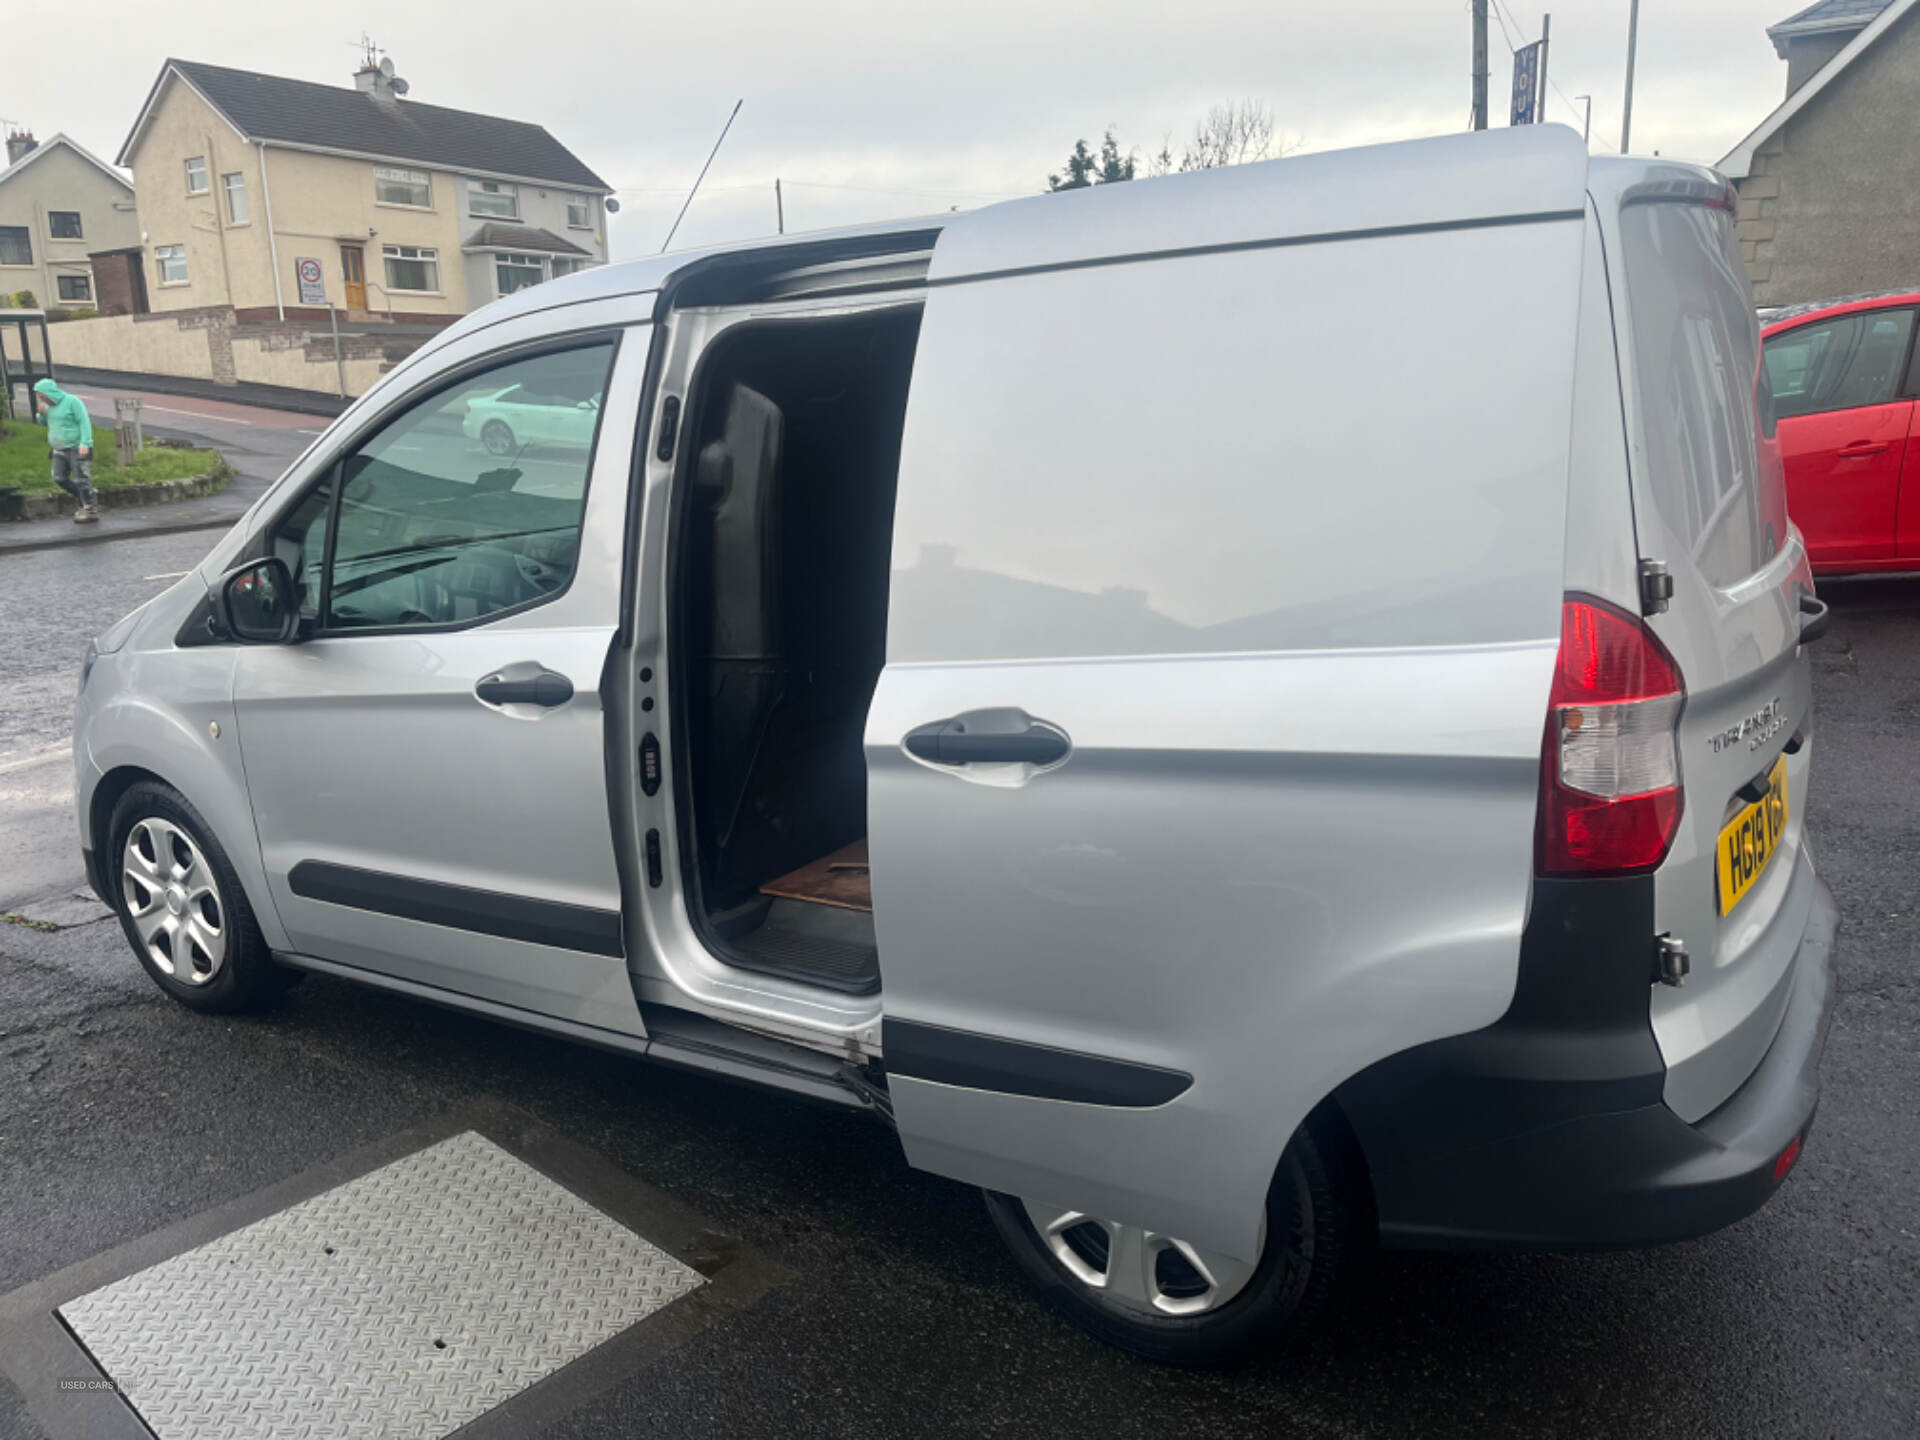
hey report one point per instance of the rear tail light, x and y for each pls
(1610, 800)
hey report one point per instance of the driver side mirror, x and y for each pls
(261, 603)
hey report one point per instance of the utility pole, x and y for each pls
(779, 206)
(1480, 64)
(1540, 109)
(1633, 41)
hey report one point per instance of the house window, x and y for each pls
(235, 185)
(16, 245)
(172, 263)
(64, 225)
(403, 187)
(558, 267)
(74, 287)
(197, 175)
(491, 197)
(412, 267)
(517, 272)
(579, 212)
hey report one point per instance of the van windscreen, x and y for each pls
(1696, 348)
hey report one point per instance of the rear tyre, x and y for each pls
(181, 905)
(497, 436)
(1168, 1301)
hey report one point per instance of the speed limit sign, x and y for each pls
(313, 283)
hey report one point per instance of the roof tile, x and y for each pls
(497, 236)
(301, 112)
(1830, 15)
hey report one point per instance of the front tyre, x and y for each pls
(1167, 1300)
(181, 905)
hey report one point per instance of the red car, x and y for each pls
(1844, 380)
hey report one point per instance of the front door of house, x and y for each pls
(353, 271)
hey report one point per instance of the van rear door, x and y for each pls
(1225, 595)
(1710, 506)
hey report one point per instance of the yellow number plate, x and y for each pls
(1747, 841)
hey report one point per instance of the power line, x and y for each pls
(1500, 14)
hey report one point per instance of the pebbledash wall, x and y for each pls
(1831, 205)
(209, 344)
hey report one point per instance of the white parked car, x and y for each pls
(1241, 713)
(518, 415)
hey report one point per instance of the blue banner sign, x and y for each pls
(1526, 85)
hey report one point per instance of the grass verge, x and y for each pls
(25, 462)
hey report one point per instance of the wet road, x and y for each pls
(898, 1313)
(53, 600)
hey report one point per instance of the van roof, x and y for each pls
(1442, 183)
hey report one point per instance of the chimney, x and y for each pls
(379, 81)
(20, 143)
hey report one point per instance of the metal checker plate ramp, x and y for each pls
(321, 1320)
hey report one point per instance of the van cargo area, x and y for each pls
(783, 533)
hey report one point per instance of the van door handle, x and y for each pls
(989, 737)
(527, 683)
(1813, 618)
(1861, 449)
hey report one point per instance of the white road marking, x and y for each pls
(170, 575)
(171, 410)
(62, 751)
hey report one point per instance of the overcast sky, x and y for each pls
(873, 111)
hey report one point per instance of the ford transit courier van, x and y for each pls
(1240, 713)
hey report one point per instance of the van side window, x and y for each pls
(466, 505)
(1838, 364)
(301, 541)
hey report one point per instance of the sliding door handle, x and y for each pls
(1861, 449)
(989, 737)
(526, 683)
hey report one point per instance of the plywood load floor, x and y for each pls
(839, 879)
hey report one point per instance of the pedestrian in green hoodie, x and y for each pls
(70, 436)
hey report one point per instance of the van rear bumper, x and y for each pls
(1534, 1135)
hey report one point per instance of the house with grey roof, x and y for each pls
(1830, 181)
(277, 197)
(59, 205)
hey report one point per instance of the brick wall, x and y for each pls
(113, 282)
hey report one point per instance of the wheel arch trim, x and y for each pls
(193, 746)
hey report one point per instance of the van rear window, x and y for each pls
(1696, 345)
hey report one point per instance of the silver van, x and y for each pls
(1244, 713)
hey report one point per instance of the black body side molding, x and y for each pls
(483, 912)
(983, 1062)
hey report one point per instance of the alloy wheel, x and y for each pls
(1137, 1269)
(174, 901)
(496, 437)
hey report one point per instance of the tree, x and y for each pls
(1084, 168)
(1232, 133)
(1114, 166)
